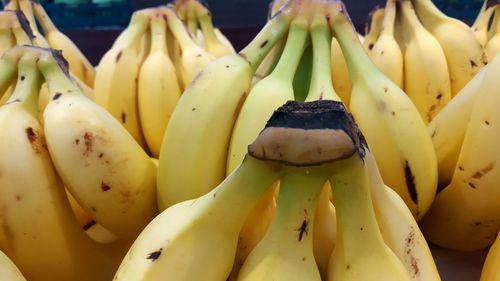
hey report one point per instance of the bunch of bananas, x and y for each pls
(486, 27)
(141, 78)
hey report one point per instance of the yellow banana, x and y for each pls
(99, 162)
(481, 24)
(390, 122)
(493, 45)
(373, 27)
(429, 90)
(116, 77)
(26, 7)
(159, 88)
(490, 270)
(386, 54)
(464, 54)
(8, 270)
(340, 72)
(468, 206)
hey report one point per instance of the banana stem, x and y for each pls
(178, 30)
(28, 83)
(356, 219)
(274, 29)
(55, 71)
(359, 64)
(8, 64)
(158, 34)
(207, 27)
(389, 18)
(44, 19)
(136, 28)
(294, 47)
(321, 82)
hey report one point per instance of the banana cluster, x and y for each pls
(486, 27)
(141, 78)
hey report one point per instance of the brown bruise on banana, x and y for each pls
(89, 225)
(303, 229)
(57, 96)
(37, 142)
(118, 56)
(410, 184)
(409, 245)
(153, 256)
(301, 147)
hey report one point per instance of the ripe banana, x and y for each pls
(468, 206)
(464, 54)
(430, 91)
(481, 24)
(8, 270)
(340, 72)
(194, 153)
(194, 58)
(392, 125)
(116, 76)
(490, 270)
(79, 65)
(373, 27)
(159, 88)
(447, 129)
(386, 54)
(200, 231)
(493, 45)
(99, 162)
(38, 230)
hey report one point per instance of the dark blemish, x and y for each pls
(16, 100)
(264, 44)
(393, 113)
(124, 117)
(382, 52)
(460, 168)
(409, 243)
(56, 96)
(18, 198)
(303, 229)
(23, 77)
(101, 155)
(88, 142)
(327, 18)
(433, 133)
(89, 225)
(30, 133)
(477, 175)
(476, 224)
(93, 209)
(410, 183)
(154, 255)
(472, 63)
(215, 194)
(198, 55)
(164, 17)
(348, 266)
(105, 187)
(118, 56)
(439, 96)
(193, 109)
(77, 141)
(361, 228)
(386, 89)
(487, 122)
(370, 47)
(227, 66)
(471, 185)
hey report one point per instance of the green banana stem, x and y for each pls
(205, 21)
(358, 62)
(274, 29)
(8, 65)
(55, 71)
(28, 83)
(136, 28)
(292, 53)
(321, 86)
(178, 30)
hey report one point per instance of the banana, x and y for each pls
(493, 45)
(38, 230)
(7, 39)
(360, 252)
(267, 95)
(8, 270)
(464, 53)
(447, 129)
(79, 65)
(324, 231)
(194, 58)
(211, 41)
(399, 228)
(481, 24)
(340, 72)
(115, 86)
(373, 27)
(8, 65)
(430, 91)
(102, 166)
(159, 89)
(194, 153)
(468, 206)
(200, 231)
(26, 7)
(386, 54)
(286, 250)
(490, 270)
(392, 125)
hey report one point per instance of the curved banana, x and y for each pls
(390, 122)
(429, 90)
(399, 228)
(115, 86)
(447, 129)
(8, 270)
(99, 162)
(490, 270)
(194, 58)
(493, 45)
(79, 65)
(27, 8)
(481, 24)
(37, 228)
(159, 88)
(468, 206)
(373, 27)
(386, 54)
(464, 54)
(194, 153)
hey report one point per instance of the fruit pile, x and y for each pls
(314, 153)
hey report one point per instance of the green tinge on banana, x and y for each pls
(390, 122)
(99, 162)
(468, 206)
(194, 152)
(267, 95)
